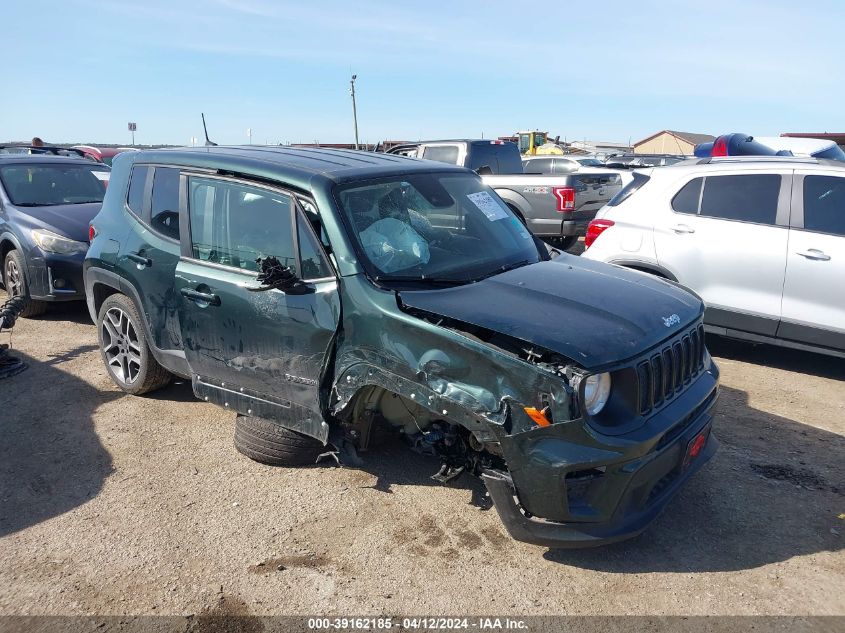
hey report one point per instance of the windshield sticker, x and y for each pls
(521, 228)
(102, 175)
(489, 207)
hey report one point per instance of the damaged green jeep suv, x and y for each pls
(328, 297)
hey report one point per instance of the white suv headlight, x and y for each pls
(52, 243)
(596, 392)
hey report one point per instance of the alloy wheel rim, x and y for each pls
(121, 346)
(14, 283)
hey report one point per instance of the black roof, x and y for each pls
(292, 162)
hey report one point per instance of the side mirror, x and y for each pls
(484, 170)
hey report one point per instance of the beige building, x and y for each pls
(671, 142)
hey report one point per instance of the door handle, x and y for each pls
(200, 297)
(143, 262)
(814, 253)
(683, 228)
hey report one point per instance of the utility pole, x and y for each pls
(354, 110)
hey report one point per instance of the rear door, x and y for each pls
(813, 294)
(148, 257)
(255, 350)
(725, 237)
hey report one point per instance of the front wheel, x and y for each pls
(271, 443)
(16, 285)
(125, 350)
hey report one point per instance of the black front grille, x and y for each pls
(664, 375)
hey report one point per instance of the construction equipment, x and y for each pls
(538, 143)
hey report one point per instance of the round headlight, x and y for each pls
(596, 392)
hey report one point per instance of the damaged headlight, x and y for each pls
(53, 243)
(596, 392)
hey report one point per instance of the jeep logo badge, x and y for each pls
(672, 319)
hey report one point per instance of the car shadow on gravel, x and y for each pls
(51, 459)
(779, 357)
(393, 463)
(71, 311)
(773, 491)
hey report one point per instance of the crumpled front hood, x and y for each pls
(593, 313)
(69, 220)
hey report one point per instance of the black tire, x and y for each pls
(562, 243)
(270, 443)
(15, 266)
(143, 373)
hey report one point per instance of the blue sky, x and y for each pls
(79, 70)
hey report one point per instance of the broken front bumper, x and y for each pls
(606, 500)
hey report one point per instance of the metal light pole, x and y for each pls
(354, 110)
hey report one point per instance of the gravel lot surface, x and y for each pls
(113, 504)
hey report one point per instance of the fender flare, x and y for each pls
(172, 360)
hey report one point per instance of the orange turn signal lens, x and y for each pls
(538, 415)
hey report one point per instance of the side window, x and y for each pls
(565, 166)
(234, 224)
(748, 198)
(686, 200)
(442, 153)
(824, 204)
(164, 214)
(314, 264)
(137, 185)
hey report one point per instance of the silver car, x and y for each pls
(760, 239)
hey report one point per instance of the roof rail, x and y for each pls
(758, 159)
(46, 149)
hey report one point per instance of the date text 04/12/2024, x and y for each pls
(421, 623)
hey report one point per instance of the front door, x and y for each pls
(813, 295)
(257, 351)
(725, 237)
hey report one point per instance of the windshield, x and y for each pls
(47, 185)
(434, 227)
(590, 162)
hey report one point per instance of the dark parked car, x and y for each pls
(46, 205)
(330, 296)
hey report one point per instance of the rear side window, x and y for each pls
(442, 153)
(629, 189)
(538, 166)
(164, 214)
(824, 204)
(565, 166)
(235, 224)
(137, 185)
(686, 200)
(747, 198)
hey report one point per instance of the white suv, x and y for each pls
(760, 239)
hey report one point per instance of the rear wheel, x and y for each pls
(125, 350)
(270, 443)
(563, 243)
(16, 285)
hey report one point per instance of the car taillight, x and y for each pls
(92, 233)
(596, 228)
(565, 199)
(720, 146)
